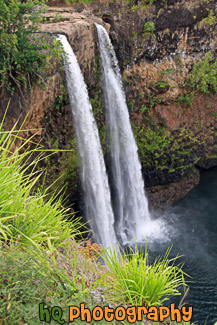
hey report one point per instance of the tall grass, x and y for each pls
(24, 212)
(139, 283)
(38, 261)
(31, 217)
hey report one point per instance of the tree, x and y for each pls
(23, 52)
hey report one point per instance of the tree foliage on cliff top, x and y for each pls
(23, 52)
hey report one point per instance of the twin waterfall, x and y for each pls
(129, 203)
(93, 173)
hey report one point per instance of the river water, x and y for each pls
(192, 225)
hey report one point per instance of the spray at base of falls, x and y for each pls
(93, 173)
(130, 203)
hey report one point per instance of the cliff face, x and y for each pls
(157, 46)
(163, 52)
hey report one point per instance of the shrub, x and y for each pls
(22, 51)
(210, 20)
(186, 99)
(148, 29)
(204, 75)
(139, 283)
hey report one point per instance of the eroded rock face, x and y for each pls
(157, 48)
(80, 31)
(35, 104)
(161, 197)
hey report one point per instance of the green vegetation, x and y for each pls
(80, 1)
(24, 284)
(151, 2)
(24, 54)
(161, 84)
(204, 75)
(148, 2)
(140, 284)
(166, 72)
(148, 29)
(70, 165)
(144, 109)
(186, 99)
(162, 150)
(214, 114)
(53, 276)
(40, 261)
(210, 20)
(203, 78)
(25, 213)
(62, 168)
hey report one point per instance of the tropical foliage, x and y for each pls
(24, 52)
(204, 75)
(24, 212)
(138, 282)
(40, 262)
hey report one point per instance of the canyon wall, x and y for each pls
(173, 118)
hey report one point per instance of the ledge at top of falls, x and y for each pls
(79, 29)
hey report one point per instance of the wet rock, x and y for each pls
(167, 195)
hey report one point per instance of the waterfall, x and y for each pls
(130, 202)
(93, 172)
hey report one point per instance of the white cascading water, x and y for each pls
(93, 172)
(130, 202)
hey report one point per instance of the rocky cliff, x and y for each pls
(167, 57)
